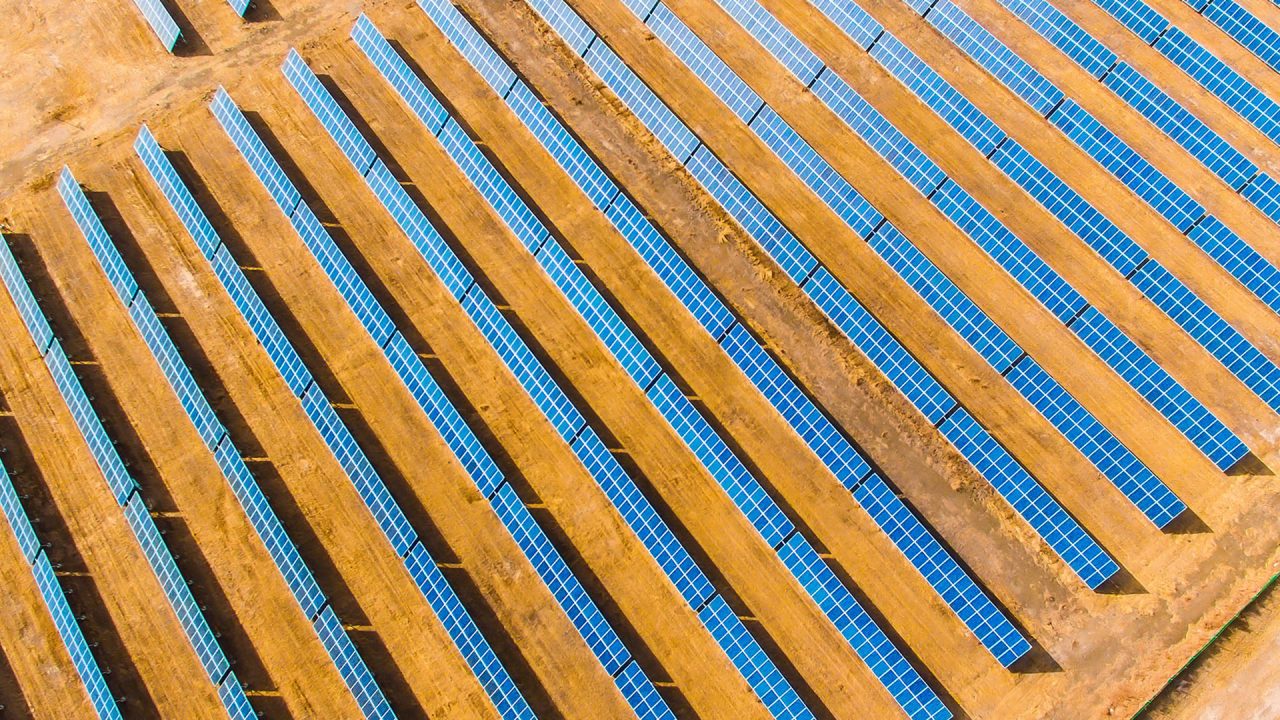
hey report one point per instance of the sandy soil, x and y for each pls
(1099, 653)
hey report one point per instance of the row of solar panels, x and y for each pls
(289, 562)
(888, 510)
(387, 514)
(582, 611)
(166, 27)
(1115, 461)
(1061, 531)
(727, 630)
(835, 450)
(1195, 316)
(123, 487)
(33, 552)
(569, 422)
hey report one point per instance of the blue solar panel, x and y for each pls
(351, 666)
(1186, 413)
(361, 473)
(763, 513)
(532, 375)
(853, 20)
(101, 447)
(1240, 259)
(714, 72)
(1062, 533)
(234, 699)
(1264, 192)
(326, 110)
(344, 277)
(175, 589)
(11, 506)
(254, 151)
(100, 697)
(944, 297)
(161, 22)
(877, 132)
(162, 172)
(1091, 226)
(264, 326)
(32, 316)
(1220, 79)
(1137, 16)
(950, 104)
(1242, 359)
(1009, 251)
(641, 694)
(1127, 165)
(479, 655)
(776, 38)
(834, 190)
(1138, 483)
(873, 646)
(994, 56)
(946, 576)
(1185, 128)
(779, 698)
(240, 6)
(96, 235)
(423, 235)
(1064, 33)
(1247, 29)
(640, 515)
(264, 521)
(176, 372)
(443, 414)
(608, 326)
(652, 112)
(869, 336)
(555, 572)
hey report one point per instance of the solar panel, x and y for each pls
(1138, 17)
(175, 589)
(1180, 124)
(32, 316)
(16, 516)
(96, 235)
(100, 446)
(161, 22)
(994, 56)
(601, 638)
(779, 698)
(240, 6)
(1247, 29)
(1220, 79)
(1064, 33)
(885, 660)
(950, 104)
(351, 666)
(479, 655)
(100, 697)
(1241, 358)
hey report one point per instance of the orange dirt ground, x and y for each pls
(76, 82)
